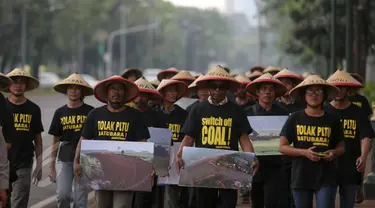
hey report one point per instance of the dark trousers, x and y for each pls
(289, 193)
(215, 198)
(154, 199)
(271, 191)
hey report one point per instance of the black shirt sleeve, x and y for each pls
(190, 127)
(142, 129)
(245, 127)
(337, 133)
(8, 126)
(55, 129)
(289, 129)
(89, 126)
(366, 107)
(37, 126)
(365, 127)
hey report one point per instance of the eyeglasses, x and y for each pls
(216, 86)
(316, 92)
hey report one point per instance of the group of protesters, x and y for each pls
(324, 143)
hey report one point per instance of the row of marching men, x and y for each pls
(317, 142)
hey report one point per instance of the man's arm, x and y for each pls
(245, 143)
(188, 141)
(78, 150)
(38, 149)
(55, 147)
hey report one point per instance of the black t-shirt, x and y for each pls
(175, 120)
(154, 118)
(188, 109)
(6, 120)
(257, 110)
(305, 131)
(356, 126)
(67, 124)
(217, 126)
(102, 124)
(292, 107)
(27, 122)
(362, 102)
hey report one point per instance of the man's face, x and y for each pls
(241, 92)
(314, 96)
(170, 93)
(203, 92)
(116, 94)
(288, 83)
(266, 92)
(74, 92)
(142, 100)
(343, 94)
(218, 90)
(18, 87)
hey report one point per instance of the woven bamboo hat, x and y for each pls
(100, 90)
(183, 75)
(342, 78)
(272, 69)
(256, 68)
(194, 84)
(181, 86)
(242, 79)
(315, 80)
(146, 87)
(254, 75)
(219, 74)
(126, 72)
(161, 75)
(266, 78)
(32, 82)
(155, 83)
(285, 73)
(74, 79)
(5, 82)
(358, 77)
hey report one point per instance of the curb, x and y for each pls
(51, 201)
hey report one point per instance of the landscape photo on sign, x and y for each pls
(116, 165)
(215, 168)
(161, 137)
(266, 133)
(185, 102)
(172, 177)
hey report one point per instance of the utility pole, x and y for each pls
(23, 34)
(333, 37)
(123, 25)
(349, 36)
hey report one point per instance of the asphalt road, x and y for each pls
(48, 103)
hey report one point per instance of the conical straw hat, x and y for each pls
(194, 84)
(254, 75)
(242, 79)
(181, 86)
(74, 79)
(5, 82)
(272, 69)
(255, 68)
(161, 74)
(146, 87)
(155, 83)
(125, 73)
(219, 74)
(358, 77)
(315, 80)
(100, 90)
(183, 75)
(342, 78)
(197, 75)
(32, 82)
(285, 73)
(266, 78)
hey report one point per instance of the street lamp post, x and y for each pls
(124, 31)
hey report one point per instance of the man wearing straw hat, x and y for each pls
(66, 128)
(314, 139)
(115, 91)
(184, 76)
(256, 68)
(357, 131)
(201, 92)
(196, 131)
(131, 74)
(290, 80)
(242, 98)
(175, 116)
(269, 184)
(254, 75)
(167, 73)
(28, 128)
(6, 125)
(272, 70)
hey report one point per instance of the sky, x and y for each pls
(204, 4)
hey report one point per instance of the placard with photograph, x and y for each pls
(266, 133)
(116, 165)
(185, 102)
(215, 168)
(162, 138)
(172, 177)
